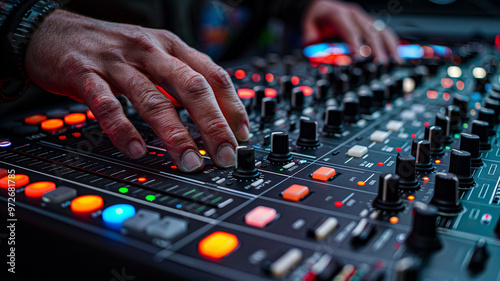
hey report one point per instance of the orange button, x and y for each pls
(52, 124)
(35, 119)
(218, 245)
(17, 181)
(75, 118)
(323, 173)
(295, 192)
(90, 115)
(86, 203)
(37, 189)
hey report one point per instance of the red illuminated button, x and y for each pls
(86, 203)
(324, 173)
(218, 245)
(90, 115)
(37, 189)
(260, 216)
(35, 119)
(295, 192)
(17, 181)
(52, 124)
(306, 90)
(245, 93)
(75, 118)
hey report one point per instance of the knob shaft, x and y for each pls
(434, 134)
(423, 236)
(334, 120)
(445, 196)
(460, 166)
(420, 149)
(280, 152)
(405, 169)
(308, 136)
(388, 194)
(470, 143)
(245, 164)
(480, 128)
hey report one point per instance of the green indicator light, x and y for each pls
(150, 197)
(457, 136)
(281, 170)
(466, 125)
(216, 200)
(447, 147)
(189, 192)
(123, 190)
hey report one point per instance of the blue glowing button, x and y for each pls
(5, 144)
(115, 215)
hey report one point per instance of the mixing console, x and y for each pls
(353, 172)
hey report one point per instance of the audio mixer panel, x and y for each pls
(353, 171)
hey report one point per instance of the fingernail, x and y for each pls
(225, 155)
(136, 149)
(191, 160)
(243, 132)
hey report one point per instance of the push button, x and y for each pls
(17, 181)
(357, 151)
(285, 263)
(295, 192)
(379, 136)
(59, 195)
(138, 223)
(394, 125)
(37, 189)
(324, 174)
(75, 118)
(260, 216)
(218, 245)
(167, 229)
(52, 124)
(86, 203)
(35, 119)
(114, 216)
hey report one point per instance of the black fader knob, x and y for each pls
(407, 269)
(453, 113)
(463, 104)
(297, 101)
(423, 236)
(378, 90)
(492, 104)
(260, 93)
(280, 152)
(388, 194)
(405, 169)
(445, 196)
(443, 121)
(480, 128)
(365, 97)
(322, 90)
(460, 166)
(433, 134)
(308, 136)
(351, 109)
(334, 120)
(420, 149)
(286, 87)
(470, 143)
(479, 257)
(268, 109)
(488, 115)
(245, 164)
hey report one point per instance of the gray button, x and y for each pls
(59, 195)
(167, 229)
(139, 222)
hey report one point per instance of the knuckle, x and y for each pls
(152, 104)
(143, 40)
(215, 127)
(195, 85)
(220, 78)
(175, 138)
(104, 106)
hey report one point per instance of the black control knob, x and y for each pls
(494, 95)
(493, 104)
(245, 164)
(479, 257)
(445, 196)
(463, 104)
(378, 91)
(423, 236)
(322, 90)
(308, 136)
(260, 93)
(420, 149)
(280, 152)
(356, 77)
(453, 113)
(470, 143)
(443, 121)
(286, 87)
(405, 169)
(388, 194)
(351, 109)
(341, 84)
(268, 109)
(297, 101)
(434, 135)
(365, 98)
(334, 120)
(407, 269)
(391, 89)
(481, 128)
(488, 115)
(460, 166)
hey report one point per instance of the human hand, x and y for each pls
(89, 60)
(326, 18)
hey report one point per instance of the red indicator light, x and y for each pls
(240, 74)
(361, 183)
(338, 204)
(413, 136)
(411, 198)
(431, 94)
(295, 80)
(141, 179)
(380, 164)
(270, 92)
(152, 152)
(398, 149)
(256, 77)
(245, 93)
(426, 124)
(77, 134)
(306, 90)
(269, 77)
(160, 155)
(446, 96)
(62, 137)
(393, 220)
(460, 85)
(173, 167)
(425, 178)
(437, 161)
(90, 115)
(447, 82)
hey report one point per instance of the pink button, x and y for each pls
(260, 216)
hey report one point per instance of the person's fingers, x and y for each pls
(349, 31)
(391, 42)
(194, 92)
(311, 32)
(157, 110)
(95, 92)
(372, 36)
(220, 82)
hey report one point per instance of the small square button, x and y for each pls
(323, 173)
(394, 125)
(295, 192)
(260, 216)
(357, 151)
(379, 136)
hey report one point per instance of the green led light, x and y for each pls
(466, 125)
(150, 197)
(447, 147)
(281, 170)
(457, 136)
(123, 190)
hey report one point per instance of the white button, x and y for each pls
(257, 182)
(289, 165)
(285, 263)
(220, 181)
(326, 228)
(394, 125)
(379, 136)
(357, 151)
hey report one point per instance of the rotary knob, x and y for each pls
(334, 120)
(488, 115)
(420, 149)
(444, 122)
(493, 104)
(378, 90)
(365, 98)
(423, 236)
(245, 164)
(460, 166)
(260, 93)
(351, 109)
(470, 143)
(481, 128)
(356, 77)
(308, 136)
(434, 135)
(388, 194)
(341, 84)
(280, 152)
(445, 196)
(286, 87)
(268, 109)
(453, 113)
(405, 169)
(322, 89)
(463, 104)
(297, 101)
